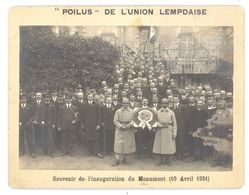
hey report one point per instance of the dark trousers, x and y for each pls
(181, 141)
(189, 141)
(93, 146)
(106, 140)
(110, 140)
(40, 141)
(195, 147)
(138, 139)
(58, 139)
(21, 141)
(26, 133)
(50, 143)
(67, 140)
(30, 139)
(144, 141)
(150, 140)
(102, 140)
(79, 134)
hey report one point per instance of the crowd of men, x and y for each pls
(101, 119)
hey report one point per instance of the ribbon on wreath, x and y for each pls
(145, 117)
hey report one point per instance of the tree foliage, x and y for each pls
(49, 60)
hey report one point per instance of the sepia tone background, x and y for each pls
(234, 178)
(58, 56)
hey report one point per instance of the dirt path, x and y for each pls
(81, 161)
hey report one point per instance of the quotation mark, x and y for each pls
(56, 9)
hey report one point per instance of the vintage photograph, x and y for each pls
(137, 98)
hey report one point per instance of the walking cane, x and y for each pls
(104, 139)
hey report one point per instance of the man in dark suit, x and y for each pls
(123, 96)
(154, 93)
(167, 80)
(180, 115)
(210, 107)
(115, 104)
(132, 89)
(25, 128)
(191, 122)
(103, 88)
(67, 119)
(58, 104)
(120, 83)
(132, 103)
(54, 97)
(106, 118)
(155, 104)
(161, 87)
(143, 136)
(200, 116)
(101, 132)
(184, 97)
(126, 88)
(38, 118)
(139, 98)
(31, 98)
(174, 89)
(171, 102)
(49, 126)
(79, 104)
(116, 90)
(145, 88)
(190, 109)
(90, 122)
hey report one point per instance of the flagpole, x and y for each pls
(146, 40)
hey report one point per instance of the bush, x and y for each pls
(50, 61)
